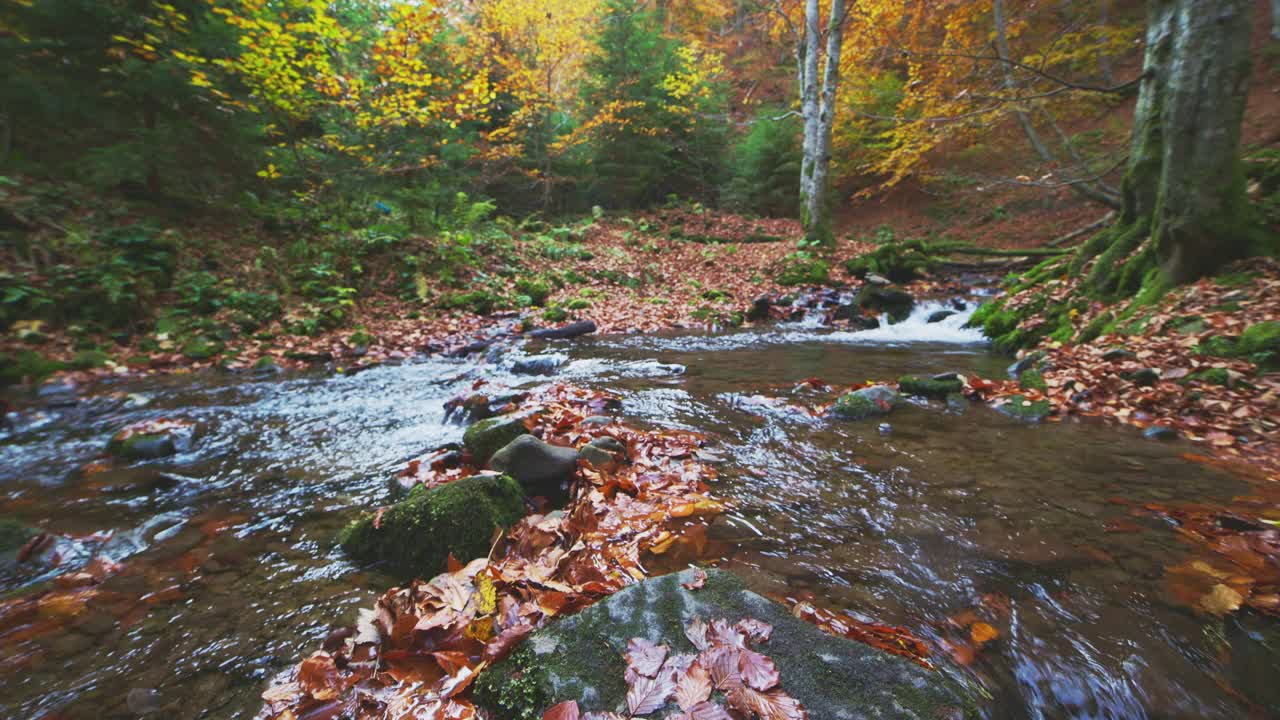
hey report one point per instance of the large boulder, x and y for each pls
(487, 437)
(872, 401)
(581, 657)
(415, 536)
(894, 301)
(539, 467)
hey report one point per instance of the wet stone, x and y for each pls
(580, 657)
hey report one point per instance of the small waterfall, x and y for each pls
(916, 328)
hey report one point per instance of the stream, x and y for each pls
(936, 512)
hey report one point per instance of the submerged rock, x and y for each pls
(539, 467)
(581, 657)
(868, 402)
(487, 437)
(152, 440)
(537, 364)
(1025, 363)
(1019, 407)
(415, 536)
(929, 387)
(1160, 432)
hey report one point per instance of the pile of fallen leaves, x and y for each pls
(1150, 378)
(727, 678)
(724, 227)
(417, 651)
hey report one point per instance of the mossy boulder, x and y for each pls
(414, 537)
(581, 657)
(1020, 407)
(868, 402)
(487, 437)
(929, 387)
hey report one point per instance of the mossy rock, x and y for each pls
(487, 437)
(1212, 376)
(142, 446)
(868, 402)
(201, 348)
(1021, 408)
(415, 536)
(927, 387)
(894, 301)
(1260, 344)
(86, 359)
(536, 290)
(580, 657)
(1033, 380)
(555, 314)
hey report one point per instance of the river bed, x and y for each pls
(936, 512)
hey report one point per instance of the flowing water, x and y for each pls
(939, 512)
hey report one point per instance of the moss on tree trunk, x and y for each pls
(1184, 212)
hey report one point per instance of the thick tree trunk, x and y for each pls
(1184, 208)
(818, 109)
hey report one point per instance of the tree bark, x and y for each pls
(808, 59)
(818, 110)
(1184, 190)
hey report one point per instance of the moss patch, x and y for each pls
(13, 534)
(926, 387)
(1020, 408)
(415, 536)
(487, 437)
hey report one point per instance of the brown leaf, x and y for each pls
(709, 711)
(757, 670)
(721, 663)
(645, 657)
(773, 705)
(693, 687)
(982, 633)
(699, 579)
(503, 643)
(648, 694)
(757, 631)
(1220, 600)
(567, 710)
(318, 675)
(696, 631)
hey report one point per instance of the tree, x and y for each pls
(1185, 213)
(817, 108)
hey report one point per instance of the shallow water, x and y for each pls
(938, 513)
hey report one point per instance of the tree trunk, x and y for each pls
(808, 59)
(818, 109)
(1184, 206)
